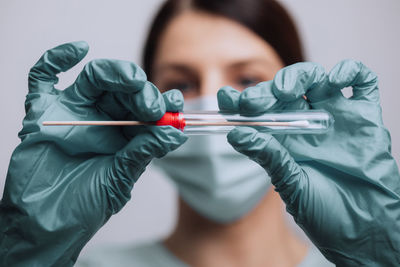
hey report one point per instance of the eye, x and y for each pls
(184, 86)
(247, 81)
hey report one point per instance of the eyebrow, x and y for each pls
(245, 62)
(175, 66)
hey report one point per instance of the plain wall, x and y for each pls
(365, 30)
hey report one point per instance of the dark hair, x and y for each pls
(267, 18)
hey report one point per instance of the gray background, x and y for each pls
(366, 30)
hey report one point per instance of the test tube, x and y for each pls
(216, 122)
(277, 122)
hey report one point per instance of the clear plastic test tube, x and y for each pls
(277, 122)
(215, 122)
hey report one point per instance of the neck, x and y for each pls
(262, 238)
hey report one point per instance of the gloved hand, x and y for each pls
(343, 187)
(64, 182)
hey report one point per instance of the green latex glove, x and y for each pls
(64, 182)
(343, 187)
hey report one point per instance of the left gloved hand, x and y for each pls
(64, 183)
(342, 187)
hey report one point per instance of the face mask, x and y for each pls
(214, 179)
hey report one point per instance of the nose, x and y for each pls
(210, 82)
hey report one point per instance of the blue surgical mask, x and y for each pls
(214, 179)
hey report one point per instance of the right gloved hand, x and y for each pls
(64, 182)
(341, 187)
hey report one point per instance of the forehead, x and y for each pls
(196, 37)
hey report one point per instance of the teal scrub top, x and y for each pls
(155, 255)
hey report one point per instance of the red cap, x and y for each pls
(174, 119)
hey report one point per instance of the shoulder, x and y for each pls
(314, 258)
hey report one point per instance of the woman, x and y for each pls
(229, 214)
(199, 47)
